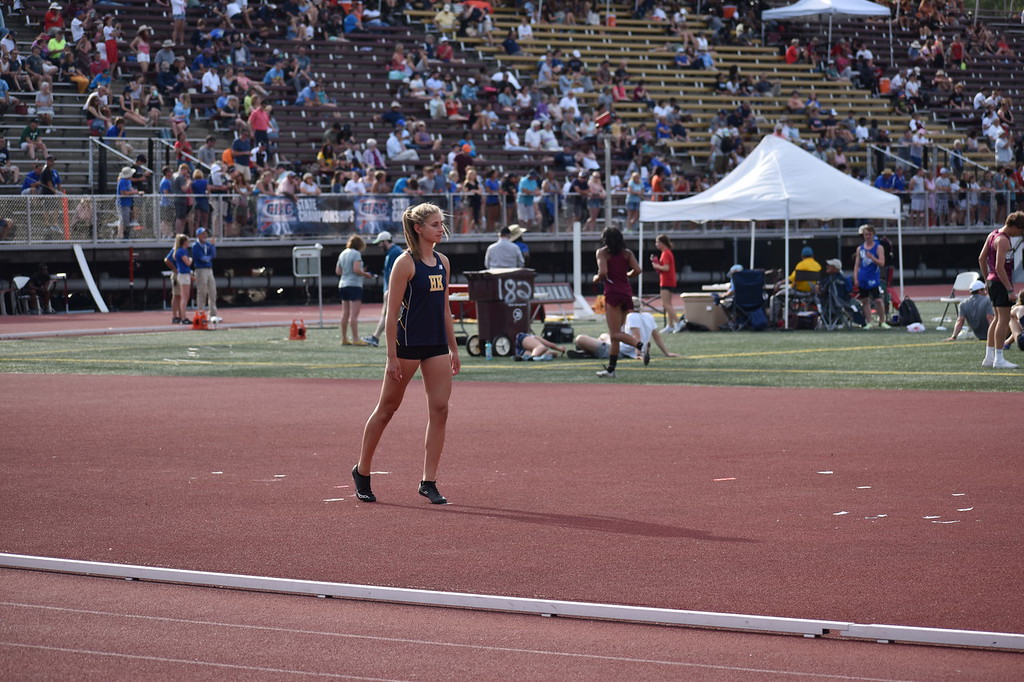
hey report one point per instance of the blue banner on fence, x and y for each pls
(329, 214)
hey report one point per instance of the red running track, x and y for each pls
(697, 498)
(70, 627)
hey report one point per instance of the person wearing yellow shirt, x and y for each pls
(806, 264)
(797, 289)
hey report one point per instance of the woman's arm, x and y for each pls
(602, 265)
(357, 268)
(983, 260)
(634, 266)
(1001, 246)
(401, 274)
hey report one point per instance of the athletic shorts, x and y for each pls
(998, 294)
(421, 352)
(175, 285)
(873, 293)
(185, 279)
(350, 293)
(603, 350)
(624, 301)
(180, 210)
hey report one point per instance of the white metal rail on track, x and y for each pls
(544, 607)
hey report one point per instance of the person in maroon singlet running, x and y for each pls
(615, 266)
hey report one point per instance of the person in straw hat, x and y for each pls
(140, 46)
(125, 201)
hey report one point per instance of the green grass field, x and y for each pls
(883, 359)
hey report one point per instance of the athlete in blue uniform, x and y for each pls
(420, 334)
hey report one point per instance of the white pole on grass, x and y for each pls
(785, 273)
(580, 309)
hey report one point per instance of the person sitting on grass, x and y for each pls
(977, 312)
(640, 325)
(532, 347)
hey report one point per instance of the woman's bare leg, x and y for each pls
(437, 381)
(670, 312)
(346, 309)
(391, 394)
(353, 319)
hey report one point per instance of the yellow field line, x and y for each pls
(815, 350)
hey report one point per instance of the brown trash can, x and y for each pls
(502, 297)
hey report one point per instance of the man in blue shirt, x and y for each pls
(391, 253)
(204, 58)
(241, 148)
(166, 203)
(30, 185)
(275, 75)
(203, 252)
(125, 202)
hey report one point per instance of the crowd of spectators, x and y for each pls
(935, 46)
(163, 79)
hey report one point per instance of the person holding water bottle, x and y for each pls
(665, 263)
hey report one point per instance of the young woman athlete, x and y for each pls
(615, 266)
(420, 334)
(665, 264)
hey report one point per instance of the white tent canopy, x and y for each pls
(831, 8)
(780, 181)
(805, 8)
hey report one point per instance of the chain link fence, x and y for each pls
(36, 218)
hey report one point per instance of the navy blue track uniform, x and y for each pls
(421, 322)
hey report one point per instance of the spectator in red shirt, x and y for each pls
(445, 53)
(53, 18)
(793, 51)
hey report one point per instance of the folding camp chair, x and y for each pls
(836, 308)
(748, 301)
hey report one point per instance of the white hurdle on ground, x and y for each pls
(544, 607)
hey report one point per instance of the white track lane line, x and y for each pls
(161, 659)
(433, 643)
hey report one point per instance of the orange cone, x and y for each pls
(293, 333)
(302, 330)
(199, 320)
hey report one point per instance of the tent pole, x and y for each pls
(899, 243)
(751, 244)
(785, 273)
(891, 56)
(640, 263)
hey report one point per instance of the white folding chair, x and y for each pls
(21, 299)
(962, 284)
